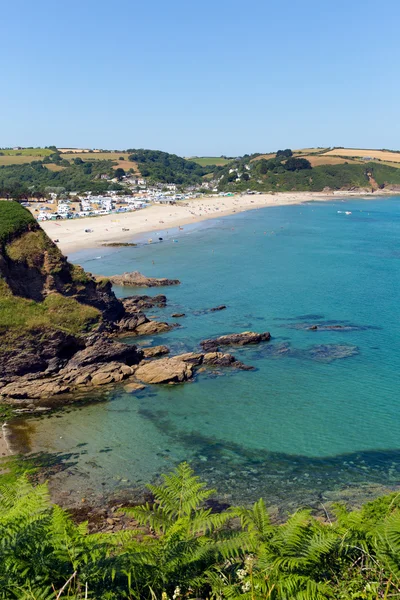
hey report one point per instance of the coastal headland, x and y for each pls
(71, 235)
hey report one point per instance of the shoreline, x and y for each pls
(71, 236)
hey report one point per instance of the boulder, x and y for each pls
(155, 351)
(153, 327)
(178, 315)
(133, 387)
(164, 370)
(135, 303)
(105, 350)
(219, 359)
(131, 321)
(44, 388)
(235, 339)
(136, 279)
(193, 358)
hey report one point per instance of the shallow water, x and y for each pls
(317, 420)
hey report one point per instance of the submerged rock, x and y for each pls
(136, 279)
(341, 326)
(205, 311)
(331, 352)
(235, 339)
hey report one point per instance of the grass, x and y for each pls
(206, 161)
(14, 220)
(17, 160)
(53, 167)
(19, 315)
(35, 152)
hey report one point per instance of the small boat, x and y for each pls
(348, 212)
(176, 241)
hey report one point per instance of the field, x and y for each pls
(96, 155)
(357, 152)
(32, 152)
(323, 159)
(265, 156)
(309, 150)
(52, 167)
(206, 161)
(17, 160)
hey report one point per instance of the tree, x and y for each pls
(119, 173)
(284, 153)
(297, 164)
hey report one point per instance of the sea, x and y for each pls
(318, 419)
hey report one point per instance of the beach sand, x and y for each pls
(71, 235)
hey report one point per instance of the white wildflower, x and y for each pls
(241, 573)
(246, 587)
(177, 593)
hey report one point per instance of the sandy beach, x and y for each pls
(71, 235)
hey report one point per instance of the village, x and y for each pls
(137, 195)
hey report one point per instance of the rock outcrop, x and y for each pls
(136, 279)
(235, 339)
(180, 368)
(136, 303)
(154, 351)
(164, 370)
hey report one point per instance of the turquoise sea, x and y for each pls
(317, 420)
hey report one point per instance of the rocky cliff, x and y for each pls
(50, 309)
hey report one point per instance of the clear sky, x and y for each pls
(200, 78)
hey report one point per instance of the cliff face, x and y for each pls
(48, 307)
(33, 267)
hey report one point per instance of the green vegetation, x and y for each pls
(163, 167)
(183, 550)
(34, 152)
(281, 174)
(34, 179)
(19, 315)
(14, 219)
(207, 161)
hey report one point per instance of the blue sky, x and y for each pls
(200, 78)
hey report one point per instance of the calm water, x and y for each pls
(311, 424)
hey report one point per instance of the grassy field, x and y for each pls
(96, 155)
(52, 167)
(359, 152)
(18, 160)
(35, 152)
(310, 150)
(206, 161)
(318, 160)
